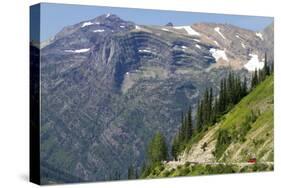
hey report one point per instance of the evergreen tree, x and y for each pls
(221, 98)
(199, 114)
(183, 130)
(244, 88)
(261, 75)
(266, 66)
(157, 150)
(131, 172)
(272, 68)
(225, 95)
(136, 174)
(117, 175)
(237, 92)
(175, 147)
(205, 110)
(254, 79)
(230, 89)
(210, 106)
(215, 110)
(189, 124)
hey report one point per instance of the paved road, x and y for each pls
(174, 164)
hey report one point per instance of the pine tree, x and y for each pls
(183, 129)
(144, 170)
(136, 174)
(206, 111)
(225, 94)
(230, 89)
(189, 124)
(210, 105)
(157, 150)
(131, 172)
(272, 68)
(117, 175)
(199, 114)
(215, 110)
(254, 79)
(260, 75)
(237, 92)
(175, 147)
(266, 66)
(244, 87)
(221, 98)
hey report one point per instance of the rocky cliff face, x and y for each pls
(107, 85)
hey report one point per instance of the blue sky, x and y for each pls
(56, 16)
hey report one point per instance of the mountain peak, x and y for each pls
(108, 17)
(170, 24)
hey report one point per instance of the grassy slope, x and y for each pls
(258, 140)
(254, 141)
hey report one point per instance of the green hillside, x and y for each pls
(244, 133)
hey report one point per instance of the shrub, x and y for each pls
(166, 173)
(224, 140)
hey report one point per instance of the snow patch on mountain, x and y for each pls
(188, 29)
(196, 40)
(198, 46)
(78, 51)
(137, 27)
(218, 54)
(216, 43)
(237, 36)
(217, 29)
(243, 45)
(164, 29)
(86, 24)
(145, 50)
(107, 15)
(98, 30)
(258, 34)
(122, 26)
(254, 63)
